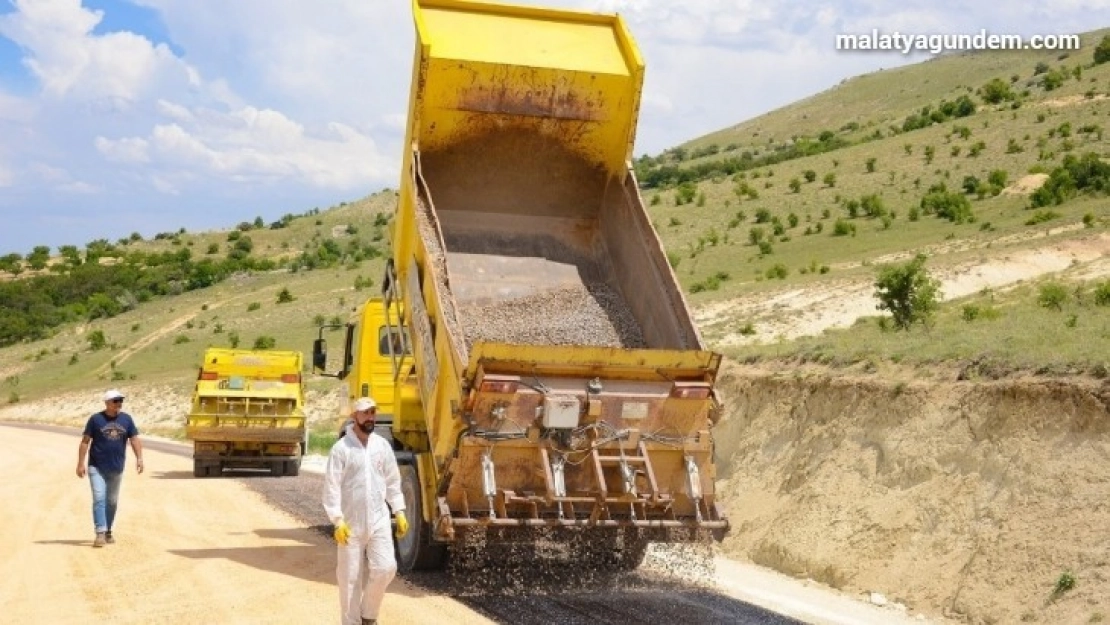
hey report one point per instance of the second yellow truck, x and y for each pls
(532, 354)
(248, 412)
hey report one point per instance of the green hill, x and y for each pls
(876, 145)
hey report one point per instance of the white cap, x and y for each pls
(364, 403)
(113, 394)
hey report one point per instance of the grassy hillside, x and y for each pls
(711, 229)
(161, 341)
(879, 99)
(710, 236)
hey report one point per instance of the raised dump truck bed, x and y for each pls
(553, 385)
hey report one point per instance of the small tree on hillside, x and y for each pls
(96, 340)
(1102, 50)
(908, 292)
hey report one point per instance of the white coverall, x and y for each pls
(358, 482)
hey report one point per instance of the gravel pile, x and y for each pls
(595, 315)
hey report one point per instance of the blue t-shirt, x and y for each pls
(109, 440)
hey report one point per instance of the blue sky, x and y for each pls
(147, 116)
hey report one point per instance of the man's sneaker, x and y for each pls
(369, 621)
(100, 540)
(108, 537)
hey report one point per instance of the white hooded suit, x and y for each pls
(358, 483)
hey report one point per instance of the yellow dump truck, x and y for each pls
(532, 354)
(248, 412)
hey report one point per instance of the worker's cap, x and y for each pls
(365, 403)
(112, 394)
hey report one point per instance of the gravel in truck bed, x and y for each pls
(593, 315)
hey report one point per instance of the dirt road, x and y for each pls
(218, 551)
(187, 550)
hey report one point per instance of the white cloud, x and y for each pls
(124, 150)
(15, 109)
(79, 187)
(174, 111)
(118, 68)
(252, 144)
(266, 103)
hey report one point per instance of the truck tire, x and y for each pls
(293, 467)
(206, 468)
(414, 550)
(277, 468)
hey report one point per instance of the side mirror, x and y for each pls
(320, 355)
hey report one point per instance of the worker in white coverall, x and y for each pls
(361, 478)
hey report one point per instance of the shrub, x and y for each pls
(872, 205)
(1064, 583)
(908, 292)
(946, 204)
(843, 228)
(1102, 294)
(1041, 217)
(779, 271)
(1052, 295)
(1086, 174)
(96, 340)
(265, 342)
(284, 296)
(1102, 50)
(973, 312)
(253, 306)
(996, 91)
(685, 193)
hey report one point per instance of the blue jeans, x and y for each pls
(105, 492)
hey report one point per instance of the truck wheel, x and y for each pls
(292, 467)
(215, 469)
(199, 469)
(277, 468)
(414, 549)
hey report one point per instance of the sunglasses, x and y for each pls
(116, 401)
